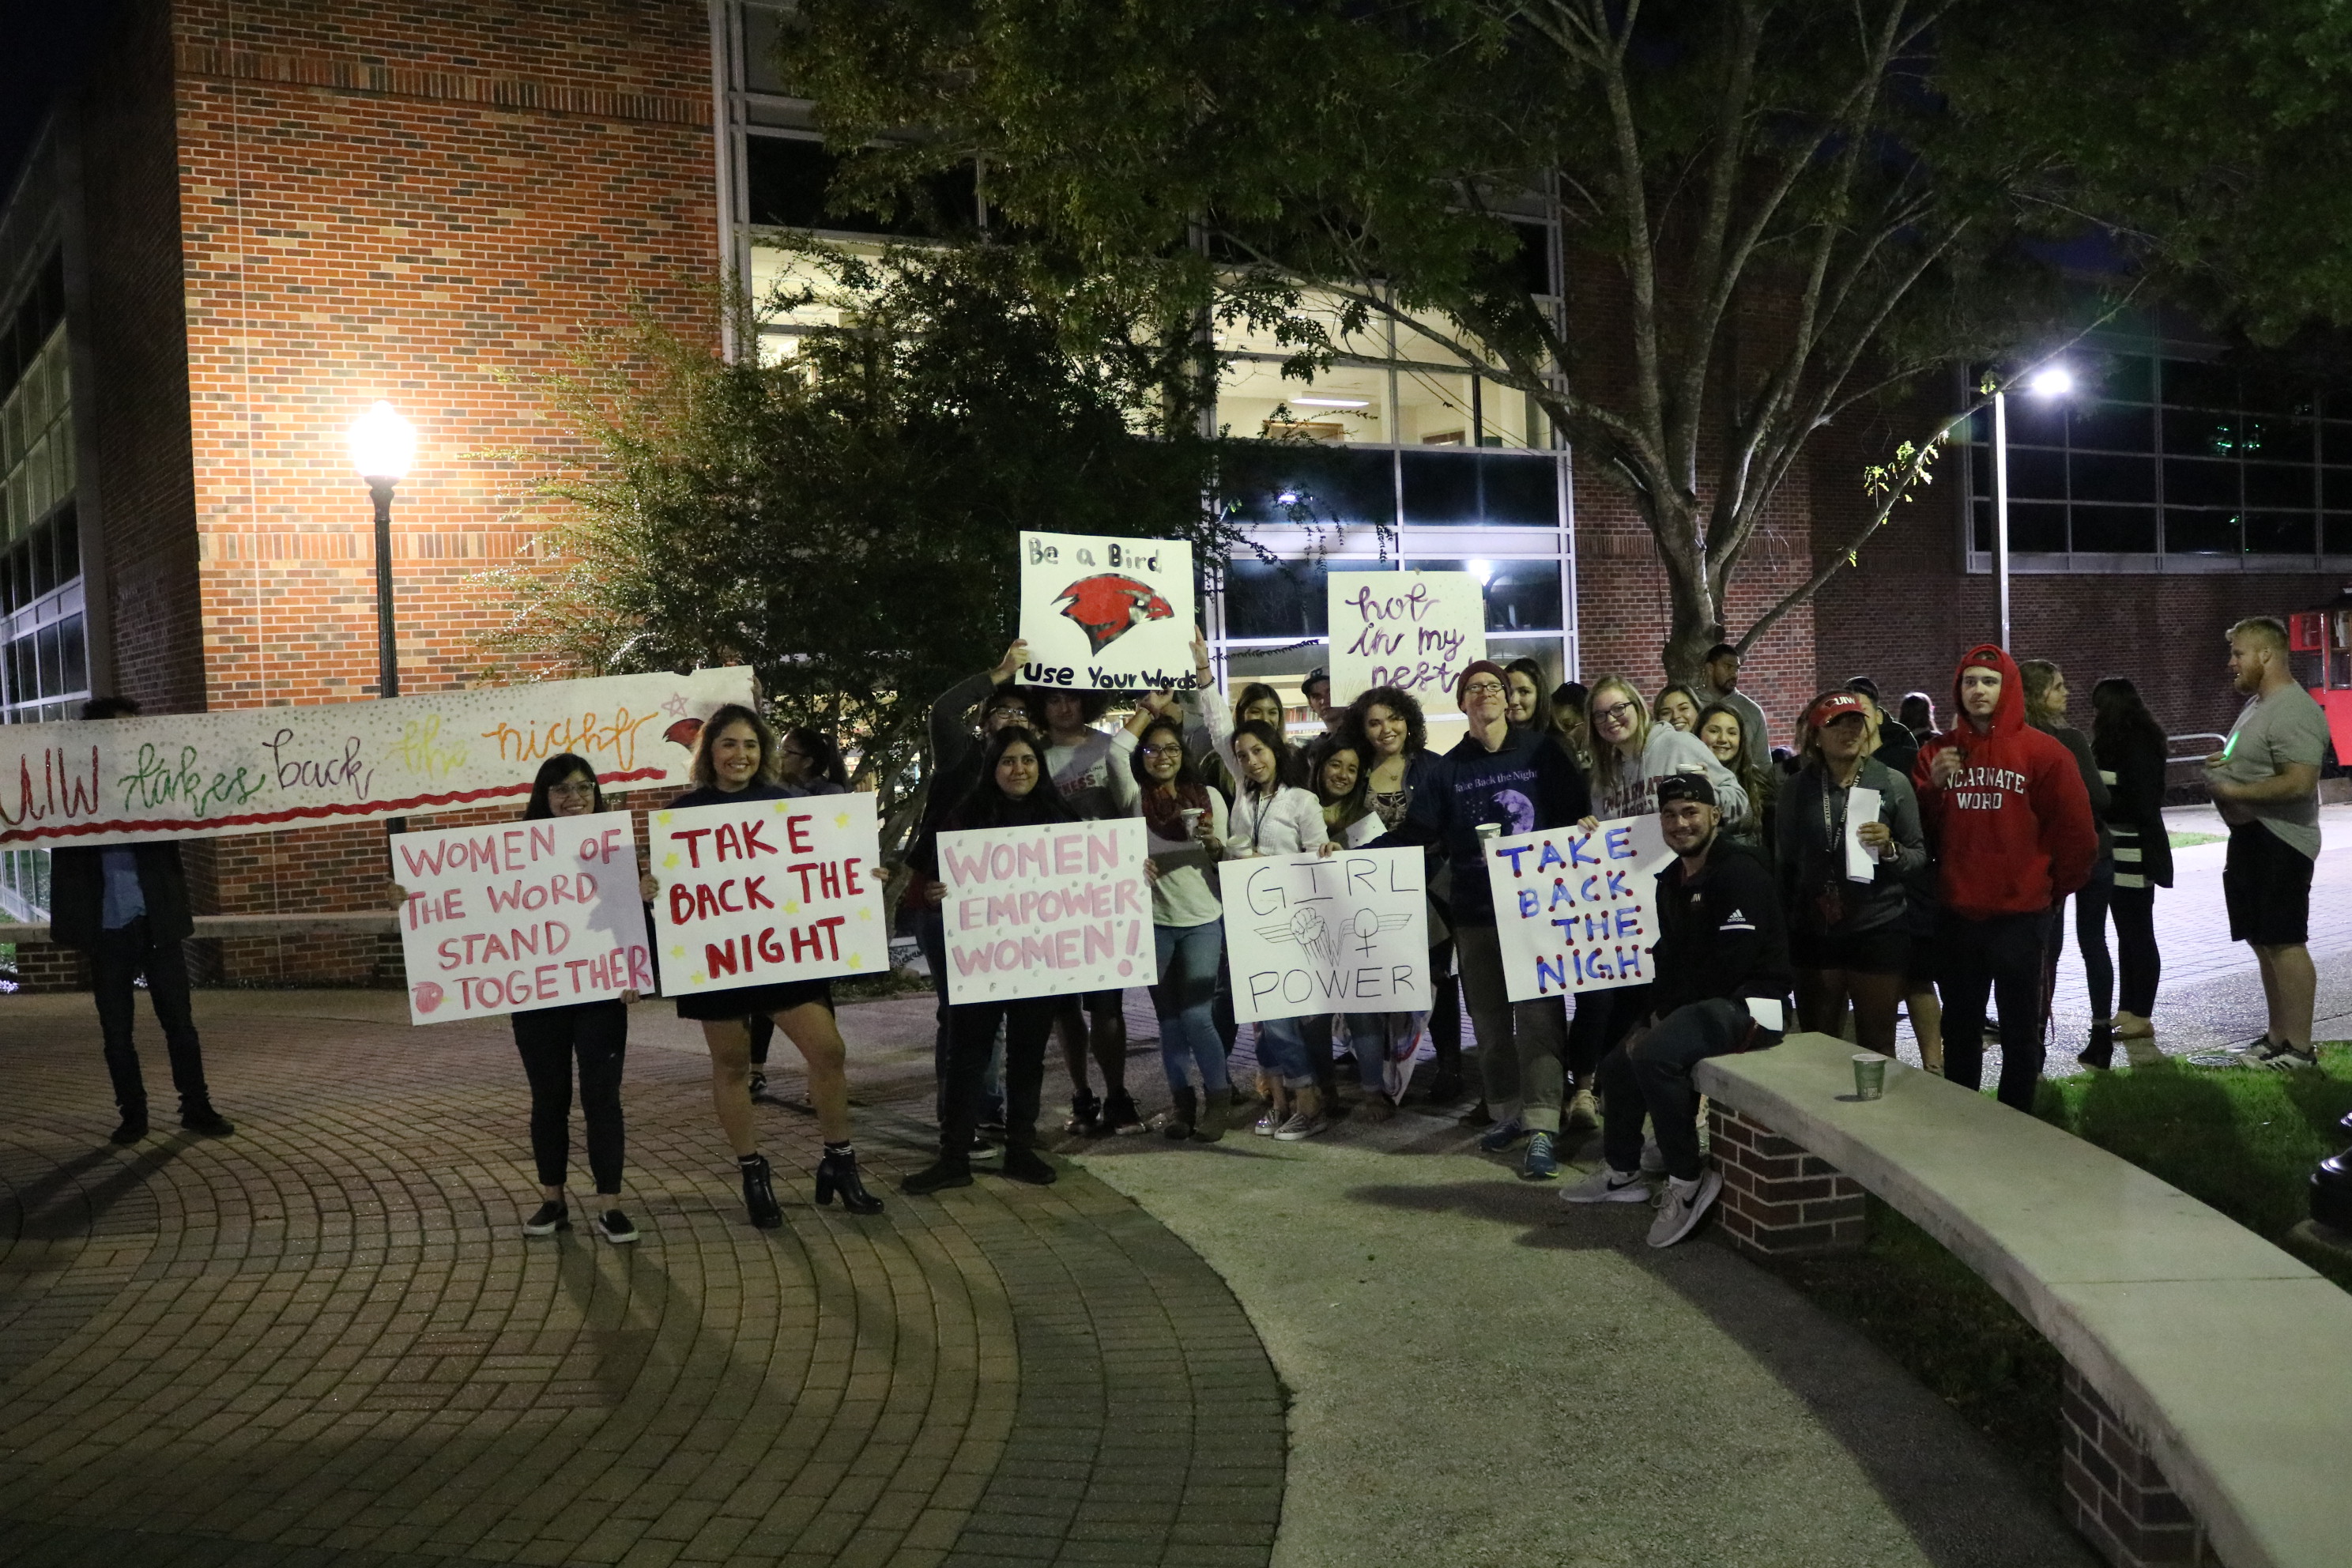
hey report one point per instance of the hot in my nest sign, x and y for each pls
(1110, 615)
(767, 891)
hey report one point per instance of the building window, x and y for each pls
(2164, 464)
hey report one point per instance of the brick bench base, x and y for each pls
(1778, 1200)
(2115, 1496)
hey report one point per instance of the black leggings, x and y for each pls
(2143, 965)
(2091, 935)
(548, 1039)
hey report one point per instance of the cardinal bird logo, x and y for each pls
(1106, 605)
(683, 732)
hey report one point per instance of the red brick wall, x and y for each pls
(409, 202)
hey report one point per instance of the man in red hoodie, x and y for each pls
(2010, 825)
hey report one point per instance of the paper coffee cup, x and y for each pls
(1869, 1075)
(1487, 830)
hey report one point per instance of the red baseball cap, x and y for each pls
(1835, 706)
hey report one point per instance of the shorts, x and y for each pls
(2266, 886)
(1884, 949)
(755, 1001)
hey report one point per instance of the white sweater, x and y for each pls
(1288, 822)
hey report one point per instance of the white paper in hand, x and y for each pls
(1861, 861)
(1767, 1012)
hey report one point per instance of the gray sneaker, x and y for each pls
(2276, 1056)
(1299, 1128)
(1608, 1186)
(1680, 1209)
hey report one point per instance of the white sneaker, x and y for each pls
(1607, 1186)
(1654, 1159)
(1584, 1115)
(1264, 1126)
(1300, 1127)
(1681, 1206)
(2276, 1056)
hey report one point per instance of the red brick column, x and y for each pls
(2115, 1496)
(1778, 1200)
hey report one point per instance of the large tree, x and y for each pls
(1777, 212)
(843, 519)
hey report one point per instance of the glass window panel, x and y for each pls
(1507, 416)
(2104, 478)
(760, 72)
(2279, 533)
(2037, 528)
(2112, 428)
(1328, 311)
(2124, 378)
(774, 270)
(1284, 598)
(2188, 433)
(1440, 486)
(2336, 488)
(2188, 532)
(2276, 440)
(2114, 529)
(2336, 533)
(1297, 482)
(2035, 421)
(1521, 595)
(1433, 410)
(44, 562)
(1520, 491)
(1545, 651)
(1347, 403)
(2188, 482)
(2336, 443)
(2189, 384)
(76, 668)
(1981, 534)
(788, 183)
(67, 531)
(2281, 484)
(49, 676)
(2036, 474)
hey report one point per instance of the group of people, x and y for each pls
(1970, 839)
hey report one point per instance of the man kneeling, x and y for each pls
(1722, 983)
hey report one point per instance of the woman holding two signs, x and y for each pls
(735, 759)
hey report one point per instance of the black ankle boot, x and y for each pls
(1181, 1119)
(2100, 1052)
(837, 1173)
(759, 1193)
(937, 1177)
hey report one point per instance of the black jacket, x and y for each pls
(1720, 935)
(1528, 782)
(78, 893)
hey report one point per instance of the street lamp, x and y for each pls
(383, 446)
(2050, 381)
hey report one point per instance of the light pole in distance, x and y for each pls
(382, 446)
(2050, 381)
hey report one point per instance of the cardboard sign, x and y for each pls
(1307, 935)
(1046, 910)
(762, 892)
(1412, 630)
(511, 918)
(256, 770)
(1111, 614)
(1572, 907)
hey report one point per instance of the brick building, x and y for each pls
(245, 222)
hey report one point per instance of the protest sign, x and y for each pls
(1111, 615)
(1572, 907)
(1344, 934)
(514, 918)
(767, 891)
(256, 770)
(1046, 910)
(1412, 630)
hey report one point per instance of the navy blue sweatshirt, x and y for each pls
(1527, 783)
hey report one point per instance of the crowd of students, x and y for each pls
(1979, 832)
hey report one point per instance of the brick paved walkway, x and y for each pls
(326, 1340)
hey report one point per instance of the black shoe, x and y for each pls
(1086, 1113)
(551, 1217)
(206, 1122)
(1444, 1088)
(759, 1085)
(614, 1226)
(2100, 1052)
(1119, 1115)
(759, 1193)
(1028, 1165)
(1181, 1115)
(838, 1173)
(937, 1177)
(134, 1128)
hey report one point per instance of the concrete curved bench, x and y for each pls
(2207, 1365)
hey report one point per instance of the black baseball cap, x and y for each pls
(1685, 786)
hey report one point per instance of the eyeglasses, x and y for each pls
(1481, 688)
(1615, 710)
(578, 789)
(1169, 751)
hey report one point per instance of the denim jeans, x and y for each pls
(1282, 1053)
(1651, 1073)
(1377, 1039)
(1183, 998)
(114, 964)
(548, 1038)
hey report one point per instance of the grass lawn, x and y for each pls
(2241, 1140)
(2190, 840)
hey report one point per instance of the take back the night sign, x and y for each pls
(767, 891)
(1572, 909)
(1107, 615)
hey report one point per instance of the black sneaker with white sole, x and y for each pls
(614, 1226)
(551, 1217)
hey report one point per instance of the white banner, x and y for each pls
(256, 769)
(1306, 934)
(1046, 910)
(1572, 909)
(530, 915)
(767, 891)
(1412, 630)
(1113, 614)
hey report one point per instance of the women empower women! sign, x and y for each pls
(256, 769)
(1046, 910)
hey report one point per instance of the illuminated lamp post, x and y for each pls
(2050, 381)
(382, 446)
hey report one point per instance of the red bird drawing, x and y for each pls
(683, 732)
(1106, 605)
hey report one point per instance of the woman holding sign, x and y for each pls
(1186, 822)
(735, 759)
(1012, 792)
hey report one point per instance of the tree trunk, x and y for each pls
(1693, 596)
